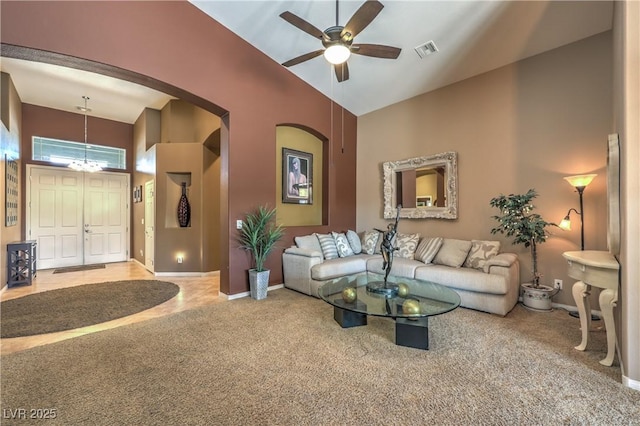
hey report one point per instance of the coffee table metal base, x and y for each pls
(412, 333)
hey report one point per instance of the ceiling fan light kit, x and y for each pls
(338, 40)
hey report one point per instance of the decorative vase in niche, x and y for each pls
(184, 209)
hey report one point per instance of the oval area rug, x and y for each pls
(80, 306)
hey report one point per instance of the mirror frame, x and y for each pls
(447, 159)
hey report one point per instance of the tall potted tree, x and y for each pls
(518, 220)
(259, 235)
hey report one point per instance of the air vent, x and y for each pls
(426, 49)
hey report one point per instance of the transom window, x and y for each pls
(64, 152)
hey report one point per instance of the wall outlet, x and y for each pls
(557, 284)
(239, 224)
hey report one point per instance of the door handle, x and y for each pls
(88, 231)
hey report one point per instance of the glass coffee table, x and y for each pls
(409, 302)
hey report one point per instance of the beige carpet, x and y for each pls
(284, 361)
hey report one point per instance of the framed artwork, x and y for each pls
(297, 173)
(137, 194)
(11, 192)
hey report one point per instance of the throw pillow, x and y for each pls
(428, 248)
(407, 244)
(480, 252)
(453, 252)
(354, 242)
(328, 245)
(309, 242)
(369, 241)
(342, 245)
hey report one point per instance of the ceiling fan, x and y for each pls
(338, 40)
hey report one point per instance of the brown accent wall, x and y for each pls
(201, 57)
(526, 125)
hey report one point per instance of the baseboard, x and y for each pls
(630, 383)
(568, 308)
(248, 293)
(178, 274)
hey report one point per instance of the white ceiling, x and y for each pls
(472, 37)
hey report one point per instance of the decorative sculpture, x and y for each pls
(387, 247)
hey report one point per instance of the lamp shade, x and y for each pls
(565, 223)
(337, 54)
(580, 180)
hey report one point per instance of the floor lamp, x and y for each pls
(579, 182)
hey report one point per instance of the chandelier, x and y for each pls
(85, 166)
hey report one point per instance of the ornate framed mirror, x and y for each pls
(426, 187)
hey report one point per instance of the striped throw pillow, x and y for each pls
(328, 245)
(428, 248)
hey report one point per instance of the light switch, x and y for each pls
(239, 224)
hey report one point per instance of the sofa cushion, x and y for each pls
(428, 248)
(342, 244)
(309, 242)
(400, 267)
(480, 252)
(407, 244)
(328, 245)
(339, 267)
(453, 252)
(369, 241)
(463, 278)
(354, 242)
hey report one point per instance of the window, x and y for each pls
(64, 152)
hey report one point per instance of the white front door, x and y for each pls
(149, 225)
(54, 216)
(77, 218)
(105, 217)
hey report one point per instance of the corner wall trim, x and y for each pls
(248, 293)
(630, 383)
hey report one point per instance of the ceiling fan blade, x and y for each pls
(376, 50)
(302, 58)
(363, 17)
(300, 23)
(342, 72)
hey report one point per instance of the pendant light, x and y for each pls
(85, 166)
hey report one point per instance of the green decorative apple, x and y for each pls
(411, 307)
(349, 295)
(403, 290)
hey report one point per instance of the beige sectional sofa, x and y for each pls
(485, 279)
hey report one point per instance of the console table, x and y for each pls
(599, 269)
(21, 262)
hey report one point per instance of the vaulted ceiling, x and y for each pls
(472, 37)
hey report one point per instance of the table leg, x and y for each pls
(581, 292)
(348, 319)
(413, 333)
(608, 299)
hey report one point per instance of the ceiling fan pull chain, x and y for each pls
(337, 20)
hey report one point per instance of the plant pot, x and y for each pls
(258, 284)
(538, 299)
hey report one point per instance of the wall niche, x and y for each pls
(175, 181)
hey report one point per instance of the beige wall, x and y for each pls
(299, 214)
(526, 125)
(626, 113)
(11, 128)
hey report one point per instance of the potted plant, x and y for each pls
(259, 235)
(518, 220)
